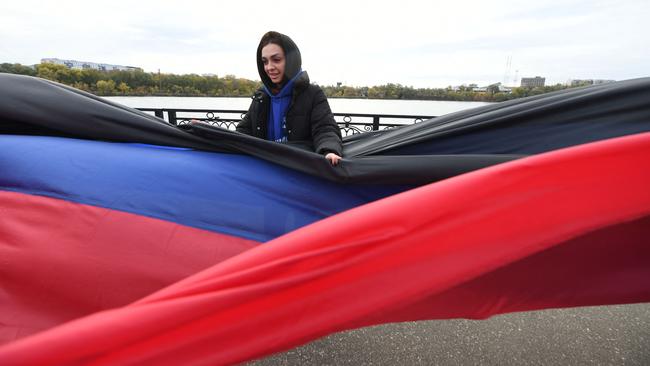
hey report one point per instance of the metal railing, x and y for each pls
(350, 123)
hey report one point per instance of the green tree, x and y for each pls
(123, 88)
(17, 69)
(91, 77)
(52, 72)
(350, 92)
(81, 86)
(105, 87)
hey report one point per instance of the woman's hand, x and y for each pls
(333, 158)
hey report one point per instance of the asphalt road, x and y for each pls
(606, 335)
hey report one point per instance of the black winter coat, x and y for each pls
(310, 122)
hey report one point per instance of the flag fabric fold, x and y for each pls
(126, 240)
(560, 229)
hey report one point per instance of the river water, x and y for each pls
(338, 105)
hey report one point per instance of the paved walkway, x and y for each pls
(607, 335)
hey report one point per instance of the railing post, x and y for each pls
(159, 113)
(375, 123)
(171, 114)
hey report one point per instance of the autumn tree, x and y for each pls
(105, 87)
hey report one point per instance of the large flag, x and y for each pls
(135, 250)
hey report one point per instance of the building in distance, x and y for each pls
(583, 82)
(493, 88)
(537, 81)
(83, 65)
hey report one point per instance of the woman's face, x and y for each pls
(274, 62)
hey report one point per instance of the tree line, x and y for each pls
(137, 83)
(140, 83)
(398, 91)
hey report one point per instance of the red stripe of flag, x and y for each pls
(484, 243)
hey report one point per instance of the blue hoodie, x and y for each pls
(277, 128)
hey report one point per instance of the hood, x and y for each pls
(287, 88)
(293, 61)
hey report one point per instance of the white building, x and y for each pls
(82, 65)
(500, 88)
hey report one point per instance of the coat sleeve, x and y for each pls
(244, 126)
(324, 130)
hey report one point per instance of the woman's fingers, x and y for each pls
(333, 158)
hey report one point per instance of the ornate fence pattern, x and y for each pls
(350, 123)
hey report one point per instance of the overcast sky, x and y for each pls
(360, 43)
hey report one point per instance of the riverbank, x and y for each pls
(139, 83)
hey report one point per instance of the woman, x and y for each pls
(287, 107)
